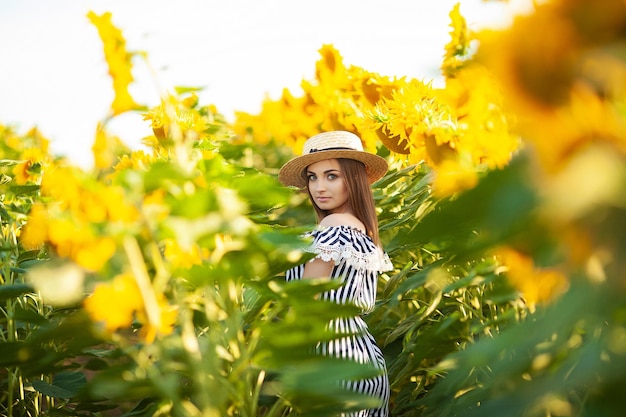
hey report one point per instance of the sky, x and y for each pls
(53, 74)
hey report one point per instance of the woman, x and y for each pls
(337, 174)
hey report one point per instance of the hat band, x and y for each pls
(332, 149)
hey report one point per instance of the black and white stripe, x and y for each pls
(358, 261)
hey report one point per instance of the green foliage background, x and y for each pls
(458, 338)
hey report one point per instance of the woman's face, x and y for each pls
(327, 186)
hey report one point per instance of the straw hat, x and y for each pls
(330, 145)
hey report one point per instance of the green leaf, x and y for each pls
(196, 205)
(146, 407)
(261, 191)
(24, 189)
(14, 290)
(162, 175)
(64, 385)
(28, 316)
(28, 255)
(313, 386)
(498, 208)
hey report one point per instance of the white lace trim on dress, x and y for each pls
(374, 260)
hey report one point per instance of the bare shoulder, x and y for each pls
(342, 219)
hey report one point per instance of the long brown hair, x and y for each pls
(359, 195)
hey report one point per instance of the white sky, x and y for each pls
(53, 74)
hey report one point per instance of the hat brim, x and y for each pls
(291, 173)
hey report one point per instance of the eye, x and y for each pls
(311, 177)
(332, 176)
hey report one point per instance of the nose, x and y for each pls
(318, 185)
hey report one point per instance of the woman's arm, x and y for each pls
(318, 268)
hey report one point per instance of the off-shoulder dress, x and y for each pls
(358, 262)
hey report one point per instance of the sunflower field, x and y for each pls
(152, 284)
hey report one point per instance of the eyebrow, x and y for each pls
(328, 171)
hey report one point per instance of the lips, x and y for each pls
(323, 199)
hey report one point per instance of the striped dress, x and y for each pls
(358, 261)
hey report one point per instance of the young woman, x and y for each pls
(338, 174)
